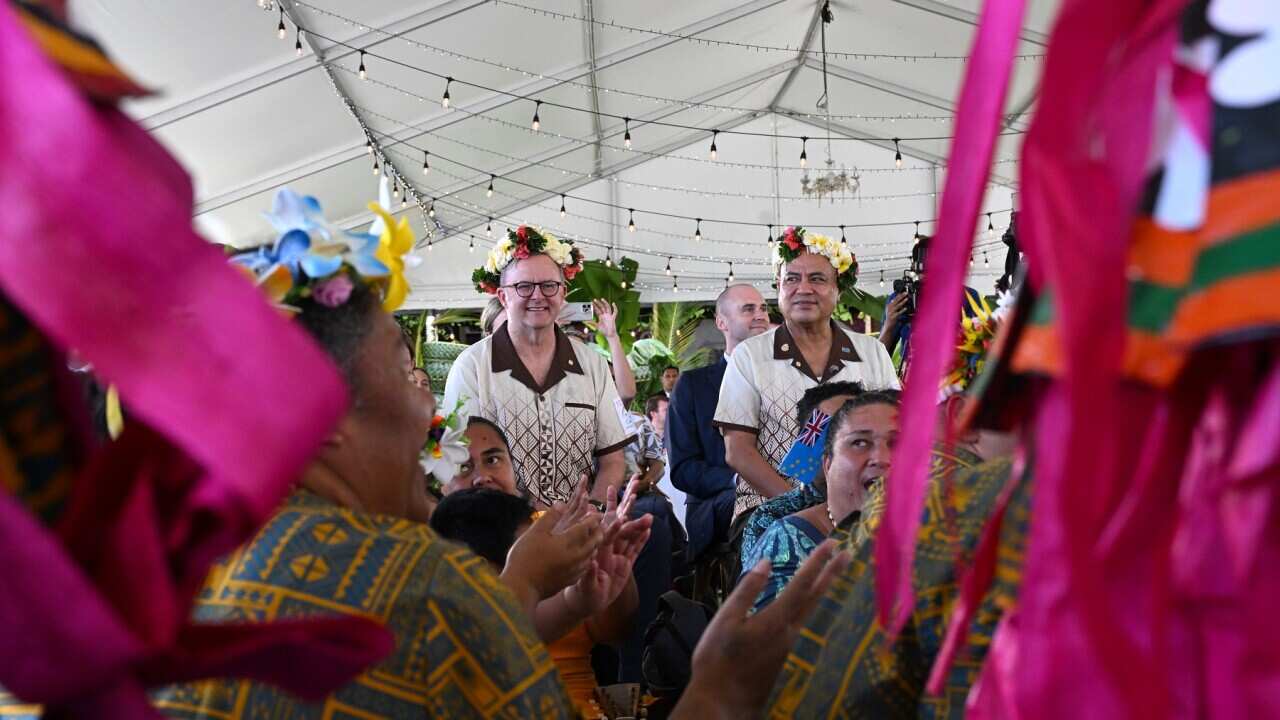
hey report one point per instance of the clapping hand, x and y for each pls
(557, 550)
(610, 570)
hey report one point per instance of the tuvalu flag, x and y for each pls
(804, 459)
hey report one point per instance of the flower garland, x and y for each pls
(796, 241)
(977, 334)
(313, 259)
(519, 244)
(446, 448)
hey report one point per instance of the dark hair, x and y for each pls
(651, 405)
(477, 420)
(818, 394)
(484, 520)
(341, 330)
(670, 367)
(868, 397)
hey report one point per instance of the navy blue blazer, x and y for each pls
(695, 450)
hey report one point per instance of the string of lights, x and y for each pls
(644, 186)
(632, 212)
(587, 87)
(741, 45)
(626, 148)
(538, 103)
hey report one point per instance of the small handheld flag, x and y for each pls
(804, 459)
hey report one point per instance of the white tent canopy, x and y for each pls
(247, 116)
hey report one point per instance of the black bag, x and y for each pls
(669, 642)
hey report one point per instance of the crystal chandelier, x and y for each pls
(829, 183)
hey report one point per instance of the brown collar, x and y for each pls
(842, 351)
(505, 358)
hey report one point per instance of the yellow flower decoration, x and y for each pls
(395, 243)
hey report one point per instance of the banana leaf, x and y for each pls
(596, 281)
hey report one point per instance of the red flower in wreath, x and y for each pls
(522, 251)
(791, 240)
(522, 232)
(570, 271)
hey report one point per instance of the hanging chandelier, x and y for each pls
(828, 183)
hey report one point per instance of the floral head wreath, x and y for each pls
(525, 242)
(313, 259)
(796, 241)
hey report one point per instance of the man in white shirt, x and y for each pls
(554, 399)
(768, 374)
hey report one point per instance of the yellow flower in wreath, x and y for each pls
(395, 243)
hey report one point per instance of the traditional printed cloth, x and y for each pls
(464, 648)
(557, 429)
(786, 544)
(842, 665)
(767, 376)
(646, 447)
(1150, 404)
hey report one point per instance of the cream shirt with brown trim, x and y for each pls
(557, 429)
(767, 376)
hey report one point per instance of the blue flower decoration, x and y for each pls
(296, 217)
(361, 257)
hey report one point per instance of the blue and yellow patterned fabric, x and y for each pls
(786, 544)
(464, 648)
(774, 509)
(841, 668)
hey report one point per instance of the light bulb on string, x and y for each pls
(917, 235)
(444, 99)
(991, 228)
(843, 240)
(730, 272)
(897, 154)
(431, 210)
(668, 267)
(364, 75)
(882, 278)
(395, 190)
(970, 259)
(563, 212)
(488, 228)
(714, 135)
(631, 219)
(426, 162)
(471, 246)
(404, 200)
(489, 192)
(804, 153)
(375, 166)
(608, 258)
(697, 232)
(626, 136)
(769, 240)
(430, 246)
(297, 44)
(368, 144)
(675, 284)
(281, 30)
(537, 123)
(986, 261)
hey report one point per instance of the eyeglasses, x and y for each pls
(525, 289)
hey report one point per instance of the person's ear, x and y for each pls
(721, 325)
(341, 434)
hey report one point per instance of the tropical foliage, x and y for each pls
(616, 283)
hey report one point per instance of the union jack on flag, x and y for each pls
(812, 430)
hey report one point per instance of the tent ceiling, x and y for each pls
(246, 116)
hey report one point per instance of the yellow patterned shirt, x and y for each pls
(463, 647)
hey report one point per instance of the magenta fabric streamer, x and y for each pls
(98, 252)
(978, 116)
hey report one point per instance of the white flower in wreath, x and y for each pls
(1246, 77)
(558, 251)
(447, 458)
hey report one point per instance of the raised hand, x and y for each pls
(606, 318)
(611, 568)
(739, 656)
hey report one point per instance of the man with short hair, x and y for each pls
(670, 376)
(695, 448)
(555, 399)
(768, 374)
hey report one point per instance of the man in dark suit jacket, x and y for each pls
(695, 449)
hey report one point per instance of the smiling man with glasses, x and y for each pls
(557, 403)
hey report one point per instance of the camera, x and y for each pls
(909, 283)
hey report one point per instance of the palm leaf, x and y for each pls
(675, 325)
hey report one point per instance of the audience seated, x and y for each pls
(857, 452)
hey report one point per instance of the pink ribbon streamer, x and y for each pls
(934, 337)
(98, 252)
